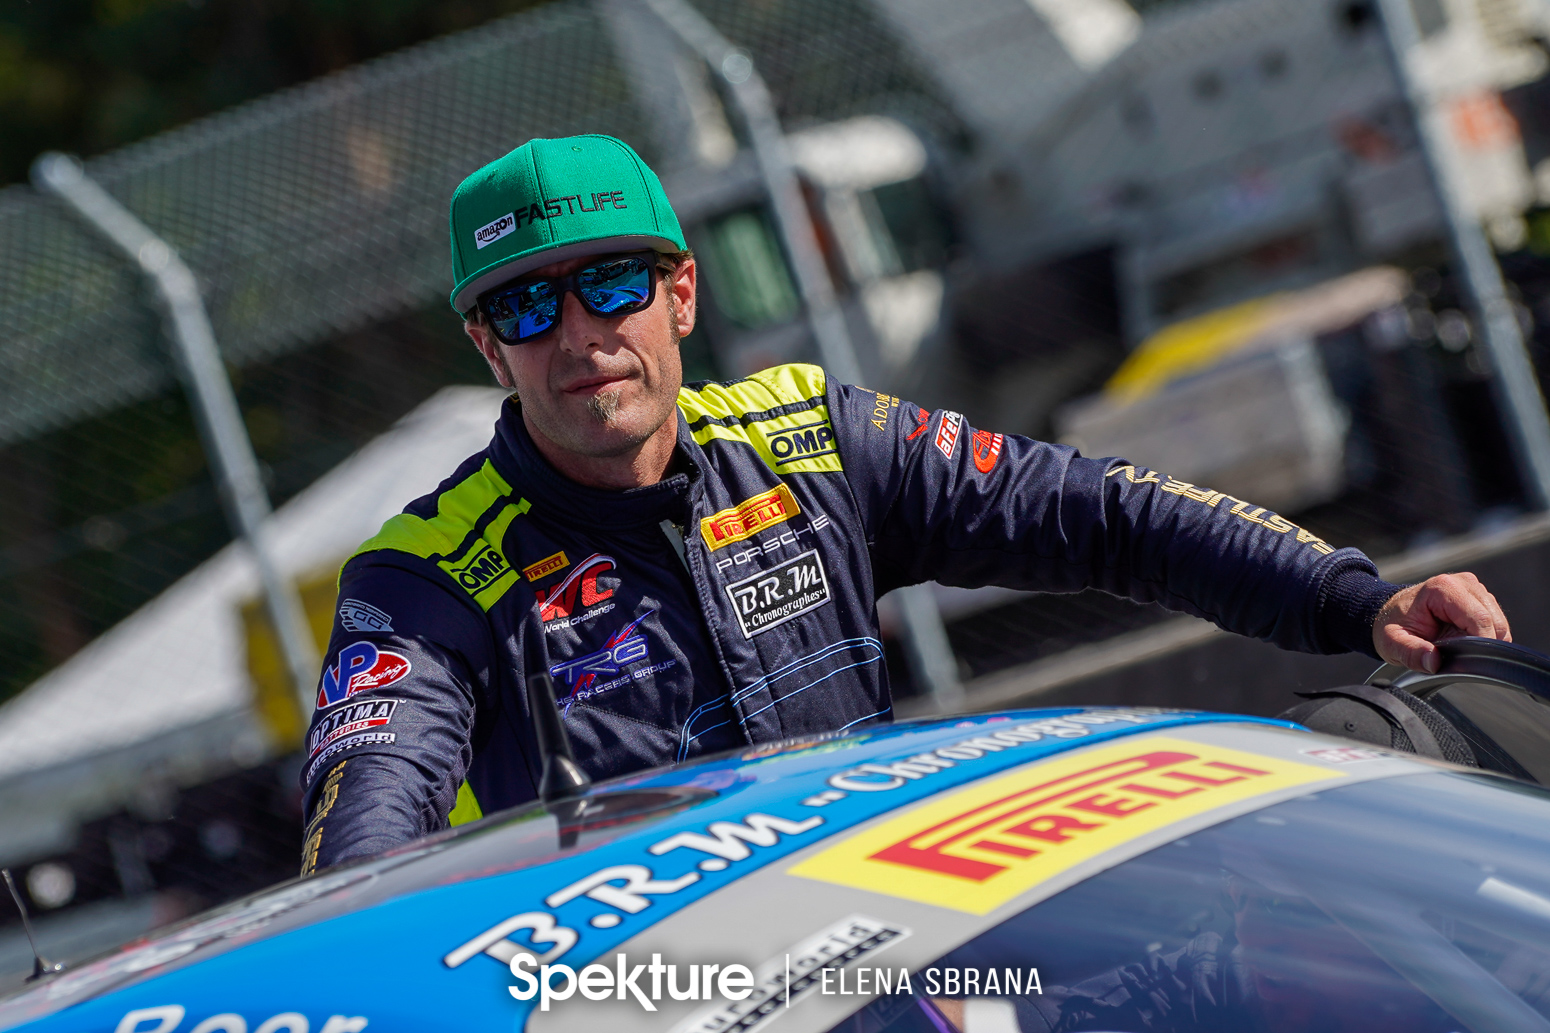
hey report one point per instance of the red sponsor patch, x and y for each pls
(987, 449)
(924, 419)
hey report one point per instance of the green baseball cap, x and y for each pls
(552, 200)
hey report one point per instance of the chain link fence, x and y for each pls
(1199, 172)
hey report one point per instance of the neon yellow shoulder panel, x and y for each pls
(466, 809)
(476, 566)
(781, 413)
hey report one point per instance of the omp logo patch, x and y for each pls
(947, 433)
(976, 849)
(782, 593)
(546, 566)
(490, 232)
(481, 568)
(804, 442)
(749, 517)
(349, 719)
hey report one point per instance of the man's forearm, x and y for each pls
(363, 806)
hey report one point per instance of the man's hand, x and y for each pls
(1446, 606)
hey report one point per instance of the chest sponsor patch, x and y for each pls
(978, 848)
(355, 615)
(349, 719)
(749, 517)
(782, 593)
(579, 587)
(947, 433)
(546, 566)
(624, 649)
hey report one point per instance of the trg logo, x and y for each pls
(624, 647)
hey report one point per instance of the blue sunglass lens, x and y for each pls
(617, 287)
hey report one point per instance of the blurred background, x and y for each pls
(1294, 250)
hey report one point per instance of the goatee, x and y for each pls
(605, 406)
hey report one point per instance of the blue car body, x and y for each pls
(420, 939)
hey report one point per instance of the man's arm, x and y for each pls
(942, 501)
(389, 744)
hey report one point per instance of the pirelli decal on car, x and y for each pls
(982, 846)
(782, 593)
(749, 517)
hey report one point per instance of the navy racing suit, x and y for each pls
(734, 602)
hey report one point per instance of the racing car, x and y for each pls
(1117, 869)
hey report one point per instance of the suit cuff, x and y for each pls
(1349, 601)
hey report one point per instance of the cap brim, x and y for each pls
(469, 290)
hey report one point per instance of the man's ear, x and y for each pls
(489, 347)
(682, 283)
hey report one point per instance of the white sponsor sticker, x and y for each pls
(490, 232)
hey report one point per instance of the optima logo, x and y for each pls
(490, 232)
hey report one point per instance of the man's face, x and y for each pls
(597, 387)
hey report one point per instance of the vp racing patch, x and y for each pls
(782, 593)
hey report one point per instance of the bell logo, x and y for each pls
(560, 601)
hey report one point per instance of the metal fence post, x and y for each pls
(225, 436)
(931, 658)
(1515, 384)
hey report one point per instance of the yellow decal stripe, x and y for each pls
(982, 846)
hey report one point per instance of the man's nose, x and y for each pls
(578, 329)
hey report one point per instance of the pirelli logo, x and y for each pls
(546, 566)
(749, 517)
(980, 847)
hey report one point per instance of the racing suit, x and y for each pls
(734, 601)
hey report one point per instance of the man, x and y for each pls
(697, 567)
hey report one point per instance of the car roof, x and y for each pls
(434, 922)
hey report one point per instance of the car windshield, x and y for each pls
(1419, 903)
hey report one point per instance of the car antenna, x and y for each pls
(40, 965)
(562, 776)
